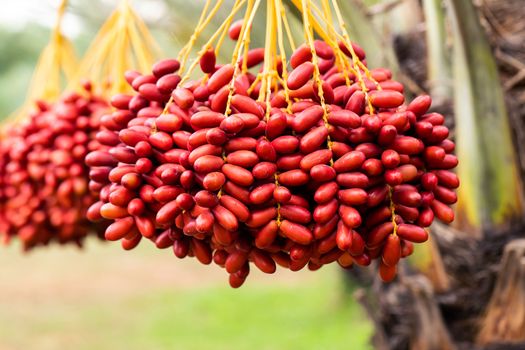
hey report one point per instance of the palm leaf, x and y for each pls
(490, 197)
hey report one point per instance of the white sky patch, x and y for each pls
(16, 14)
(152, 10)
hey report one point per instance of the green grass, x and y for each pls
(313, 312)
(253, 318)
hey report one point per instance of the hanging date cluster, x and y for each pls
(334, 169)
(44, 180)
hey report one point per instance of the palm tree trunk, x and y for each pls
(483, 305)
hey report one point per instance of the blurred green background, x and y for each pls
(104, 298)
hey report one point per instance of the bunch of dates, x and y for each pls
(205, 168)
(44, 193)
(3, 159)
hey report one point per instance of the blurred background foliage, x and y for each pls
(103, 298)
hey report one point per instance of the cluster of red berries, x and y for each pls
(343, 172)
(44, 193)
